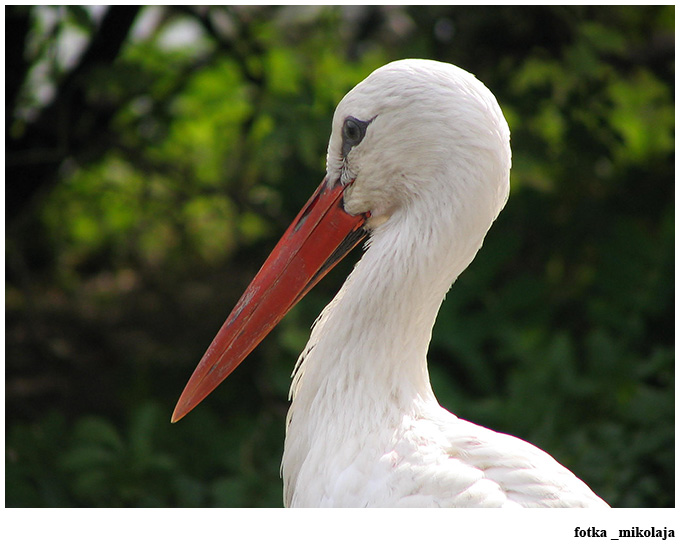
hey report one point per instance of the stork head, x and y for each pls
(415, 136)
(415, 129)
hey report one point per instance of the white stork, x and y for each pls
(419, 160)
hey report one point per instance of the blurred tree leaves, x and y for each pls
(149, 175)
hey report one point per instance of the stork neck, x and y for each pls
(372, 340)
(364, 368)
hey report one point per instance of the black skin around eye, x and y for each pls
(353, 131)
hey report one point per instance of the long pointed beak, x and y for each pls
(319, 237)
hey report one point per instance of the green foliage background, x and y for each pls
(207, 132)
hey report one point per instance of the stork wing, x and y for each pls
(510, 471)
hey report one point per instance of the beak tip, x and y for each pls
(181, 410)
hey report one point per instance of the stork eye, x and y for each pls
(353, 131)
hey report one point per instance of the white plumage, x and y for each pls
(364, 427)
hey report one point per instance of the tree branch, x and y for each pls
(69, 121)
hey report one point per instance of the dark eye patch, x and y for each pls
(353, 131)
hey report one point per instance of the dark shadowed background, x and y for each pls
(154, 156)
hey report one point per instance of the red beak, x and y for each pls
(319, 237)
